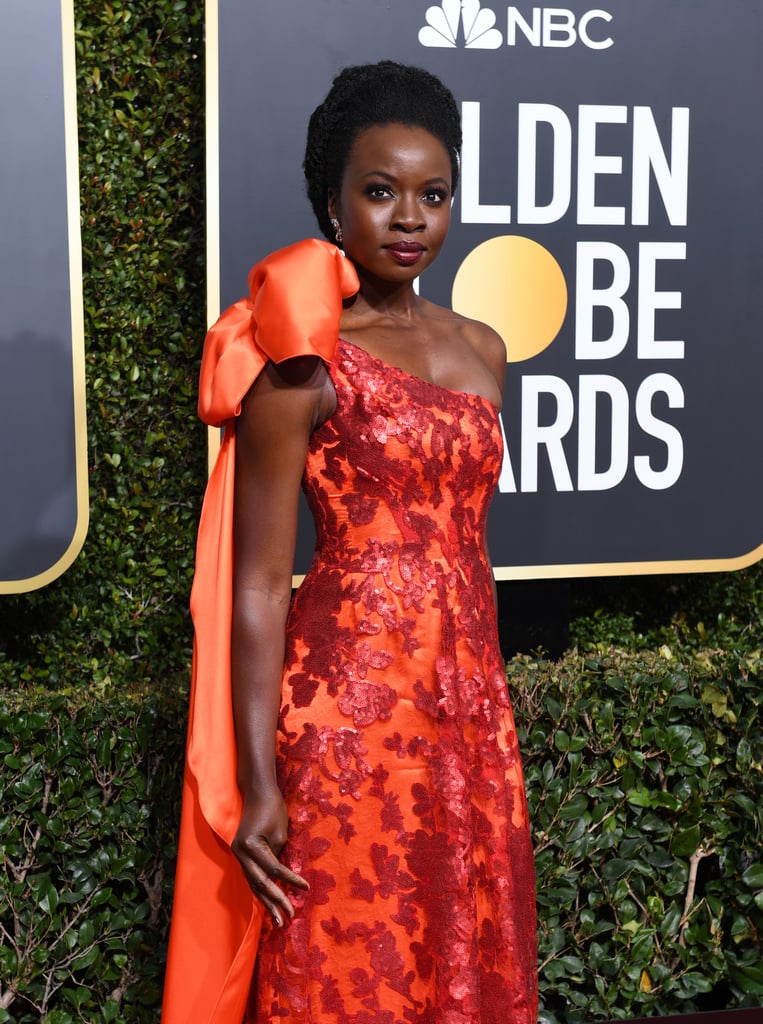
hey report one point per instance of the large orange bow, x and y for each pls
(293, 309)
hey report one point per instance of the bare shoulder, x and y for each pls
(488, 344)
(486, 341)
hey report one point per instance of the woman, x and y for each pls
(379, 815)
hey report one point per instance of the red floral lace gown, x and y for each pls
(398, 755)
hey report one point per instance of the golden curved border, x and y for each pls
(77, 315)
(212, 144)
(549, 572)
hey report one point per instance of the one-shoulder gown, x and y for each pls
(397, 750)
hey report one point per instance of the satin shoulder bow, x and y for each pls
(293, 309)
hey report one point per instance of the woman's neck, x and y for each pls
(384, 299)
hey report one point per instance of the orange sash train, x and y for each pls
(293, 309)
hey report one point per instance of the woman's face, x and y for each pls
(394, 201)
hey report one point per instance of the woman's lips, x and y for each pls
(406, 252)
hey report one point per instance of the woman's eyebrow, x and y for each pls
(391, 177)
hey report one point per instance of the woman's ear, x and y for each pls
(332, 197)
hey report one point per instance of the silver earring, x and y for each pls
(337, 230)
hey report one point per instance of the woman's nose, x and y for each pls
(407, 214)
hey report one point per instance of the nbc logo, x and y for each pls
(444, 22)
(465, 23)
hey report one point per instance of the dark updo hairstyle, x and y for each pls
(367, 95)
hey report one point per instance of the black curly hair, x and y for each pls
(367, 95)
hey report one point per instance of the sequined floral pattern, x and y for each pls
(397, 749)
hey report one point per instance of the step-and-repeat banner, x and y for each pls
(43, 456)
(608, 225)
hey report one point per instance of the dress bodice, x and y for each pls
(403, 465)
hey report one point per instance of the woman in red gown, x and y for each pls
(355, 841)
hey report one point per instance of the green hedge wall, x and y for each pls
(645, 781)
(642, 744)
(89, 794)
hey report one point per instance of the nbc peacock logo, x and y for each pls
(460, 23)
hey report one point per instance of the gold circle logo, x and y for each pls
(516, 286)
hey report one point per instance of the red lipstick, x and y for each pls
(405, 251)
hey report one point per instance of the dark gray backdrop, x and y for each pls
(276, 63)
(42, 523)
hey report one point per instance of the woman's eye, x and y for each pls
(435, 196)
(378, 191)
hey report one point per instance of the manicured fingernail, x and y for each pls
(277, 918)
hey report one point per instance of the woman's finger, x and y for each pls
(263, 870)
(289, 877)
(274, 899)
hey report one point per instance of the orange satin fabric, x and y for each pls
(293, 309)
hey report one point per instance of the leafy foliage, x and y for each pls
(720, 610)
(643, 744)
(90, 804)
(645, 782)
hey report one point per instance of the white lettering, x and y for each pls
(589, 388)
(558, 27)
(530, 116)
(507, 483)
(588, 298)
(516, 21)
(649, 155)
(649, 160)
(585, 21)
(659, 480)
(472, 211)
(650, 300)
(535, 436)
(555, 27)
(604, 435)
(591, 164)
